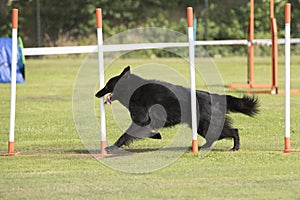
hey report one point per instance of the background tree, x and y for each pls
(72, 22)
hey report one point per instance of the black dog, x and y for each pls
(155, 104)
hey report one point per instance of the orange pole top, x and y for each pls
(99, 17)
(287, 13)
(271, 8)
(14, 18)
(190, 16)
(251, 22)
(252, 8)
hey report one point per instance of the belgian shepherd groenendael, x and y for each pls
(155, 104)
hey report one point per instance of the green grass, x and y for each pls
(51, 164)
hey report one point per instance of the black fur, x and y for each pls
(155, 104)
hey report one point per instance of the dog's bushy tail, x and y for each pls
(246, 105)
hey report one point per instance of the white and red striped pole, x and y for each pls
(14, 59)
(192, 79)
(287, 143)
(101, 79)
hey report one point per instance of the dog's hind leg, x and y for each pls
(236, 139)
(234, 134)
(207, 145)
(227, 133)
(210, 132)
(210, 139)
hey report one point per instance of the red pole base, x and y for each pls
(195, 146)
(102, 148)
(11, 151)
(287, 145)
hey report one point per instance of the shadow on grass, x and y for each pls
(122, 151)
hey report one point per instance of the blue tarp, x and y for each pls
(5, 62)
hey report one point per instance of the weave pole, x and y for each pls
(274, 48)
(287, 143)
(101, 79)
(251, 45)
(192, 79)
(14, 59)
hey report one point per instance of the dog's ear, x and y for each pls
(126, 72)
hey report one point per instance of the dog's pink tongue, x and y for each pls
(108, 99)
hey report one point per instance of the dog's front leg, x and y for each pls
(133, 132)
(125, 139)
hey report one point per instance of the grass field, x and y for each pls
(52, 164)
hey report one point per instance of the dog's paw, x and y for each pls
(234, 149)
(111, 148)
(206, 147)
(156, 136)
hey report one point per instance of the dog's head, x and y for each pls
(111, 85)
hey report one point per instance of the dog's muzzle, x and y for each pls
(108, 99)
